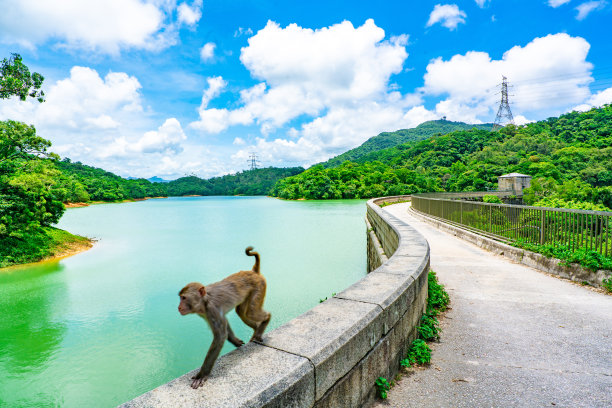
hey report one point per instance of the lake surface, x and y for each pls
(102, 327)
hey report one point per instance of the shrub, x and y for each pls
(419, 353)
(607, 284)
(382, 386)
(489, 198)
(438, 299)
(429, 329)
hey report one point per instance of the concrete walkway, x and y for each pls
(515, 337)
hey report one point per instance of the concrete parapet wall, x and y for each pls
(331, 355)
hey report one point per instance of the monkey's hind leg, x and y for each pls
(256, 313)
(262, 326)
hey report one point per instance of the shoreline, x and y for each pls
(87, 204)
(64, 249)
(72, 248)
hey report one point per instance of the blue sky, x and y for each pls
(171, 87)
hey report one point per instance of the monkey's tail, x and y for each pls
(249, 251)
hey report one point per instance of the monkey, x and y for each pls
(244, 291)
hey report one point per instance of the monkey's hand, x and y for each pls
(198, 381)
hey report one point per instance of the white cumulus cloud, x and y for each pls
(166, 139)
(586, 8)
(548, 74)
(338, 75)
(557, 3)
(82, 102)
(207, 52)
(599, 99)
(243, 31)
(96, 25)
(305, 71)
(448, 15)
(190, 15)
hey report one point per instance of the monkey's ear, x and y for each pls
(202, 291)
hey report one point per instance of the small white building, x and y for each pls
(515, 182)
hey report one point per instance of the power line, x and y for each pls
(595, 76)
(504, 107)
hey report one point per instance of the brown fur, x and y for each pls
(244, 291)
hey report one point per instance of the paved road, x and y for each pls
(515, 337)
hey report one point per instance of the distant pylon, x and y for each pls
(253, 160)
(504, 107)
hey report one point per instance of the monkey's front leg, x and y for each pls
(232, 337)
(197, 382)
(220, 333)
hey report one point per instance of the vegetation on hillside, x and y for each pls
(570, 158)
(82, 183)
(249, 182)
(386, 140)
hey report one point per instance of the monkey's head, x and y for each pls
(191, 298)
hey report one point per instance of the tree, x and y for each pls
(16, 80)
(30, 199)
(18, 140)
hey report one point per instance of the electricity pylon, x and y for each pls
(253, 160)
(504, 107)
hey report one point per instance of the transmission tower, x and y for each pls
(504, 107)
(253, 161)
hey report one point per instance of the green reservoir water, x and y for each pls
(102, 327)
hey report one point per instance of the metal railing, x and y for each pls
(467, 195)
(575, 229)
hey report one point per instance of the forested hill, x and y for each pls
(570, 159)
(390, 139)
(249, 182)
(82, 183)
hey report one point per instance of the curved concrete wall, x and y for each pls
(331, 355)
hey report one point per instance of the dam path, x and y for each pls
(514, 336)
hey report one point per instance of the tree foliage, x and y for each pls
(16, 80)
(249, 182)
(30, 195)
(82, 183)
(19, 141)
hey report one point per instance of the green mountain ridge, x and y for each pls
(387, 140)
(569, 157)
(83, 183)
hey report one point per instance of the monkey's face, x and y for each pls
(191, 298)
(184, 306)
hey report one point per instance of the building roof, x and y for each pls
(514, 175)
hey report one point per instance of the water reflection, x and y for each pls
(31, 334)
